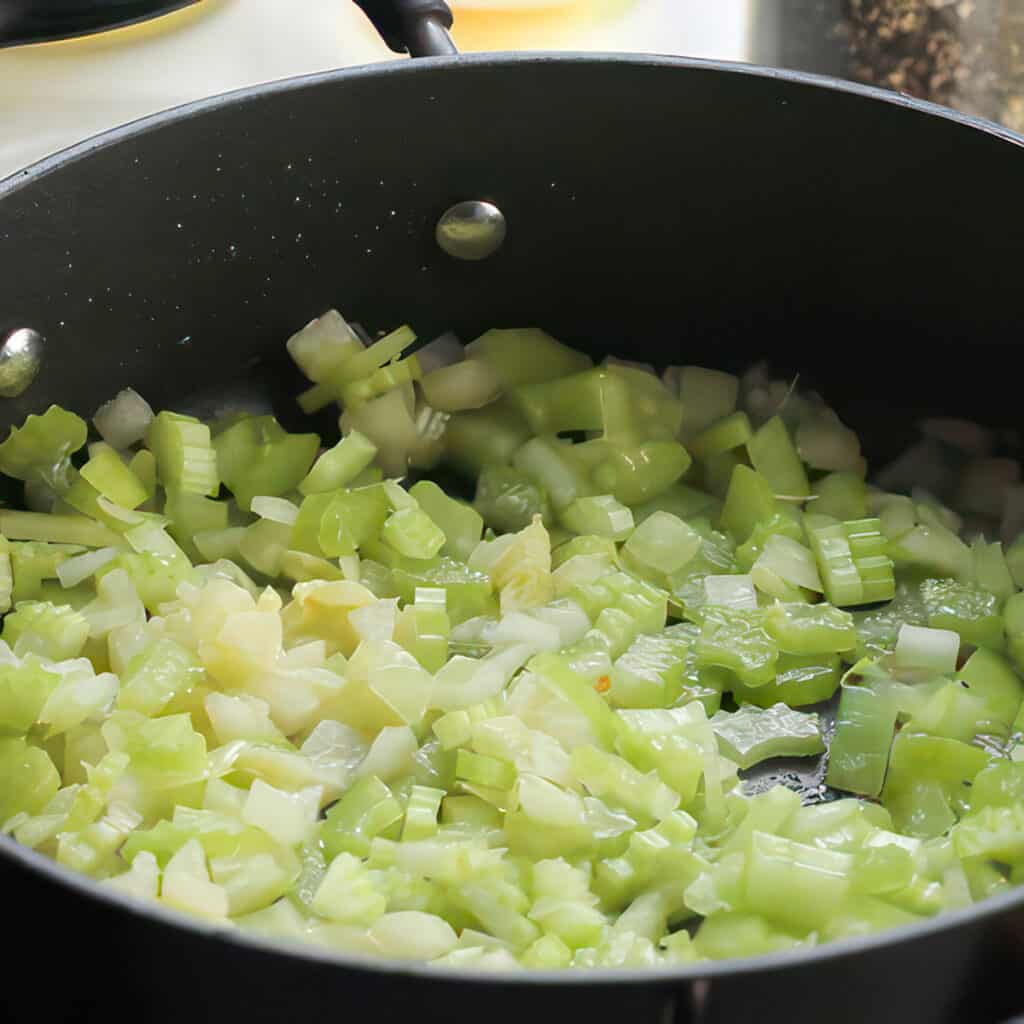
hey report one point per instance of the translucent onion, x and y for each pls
(123, 420)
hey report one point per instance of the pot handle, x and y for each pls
(417, 26)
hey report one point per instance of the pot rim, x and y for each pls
(659, 976)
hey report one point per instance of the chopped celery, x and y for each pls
(483, 436)
(185, 457)
(966, 609)
(810, 629)
(639, 474)
(412, 533)
(599, 515)
(737, 641)
(749, 501)
(257, 456)
(753, 734)
(859, 752)
(724, 435)
(525, 356)
(841, 495)
(340, 465)
(508, 499)
(800, 679)
(112, 478)
(510, 737)
(773, 454)
(663, 542)
(41, 448)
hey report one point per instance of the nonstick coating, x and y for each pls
(665, 210)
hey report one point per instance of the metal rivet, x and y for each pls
(21, 355)
(472, 230)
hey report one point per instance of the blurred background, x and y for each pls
(963, 53)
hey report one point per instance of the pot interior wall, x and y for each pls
(665, 212)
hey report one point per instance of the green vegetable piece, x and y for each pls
(41, 448)
(991, 679)
(650, 673)
(461, 523)
(525, 355)
(190, 514)
(751, 734)
(737, 641)
(640, 474)
(810, 628)
(854, 566)
(749, 502)
(859, 751)
(112, 478)
(841, 495)
(56, 528)
(992, 833)
(679, 500)
(966, 609)
(929, 782)
(614, 780)
(550, 465)
(257, 456)
(185, 458)
(800, 679)
(412, 533)
(28, 778)
(24, 690)
(932, 549)
(154, 677)
(777, 867)
(49, 630)
(663, 542)
(368, 809)
(480, 437)
(468, 593)
(492, 772)
(773, 454)
(163, 752)
(507, 499)
(340, 465)
(724, 435)
(598, 515)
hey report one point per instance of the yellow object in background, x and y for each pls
(717, 29)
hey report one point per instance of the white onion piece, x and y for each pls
(73, 570)
(965, 435)
(984, 483)
(1012, 522)
(123, 420)
(466, 385)
(926, 463)
(444, 350)
(825, 442)
(318, 347)
(732, 591)
(391, 754)
(921, 647)
(277, 510)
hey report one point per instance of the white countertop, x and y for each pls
(54, 94)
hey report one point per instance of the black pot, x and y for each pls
(33, 21)
(669, 210)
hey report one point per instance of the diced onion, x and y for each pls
(74, 570)
(123, 420)
(277, 510)
(444, 350)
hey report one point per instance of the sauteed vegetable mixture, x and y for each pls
(248, 674)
